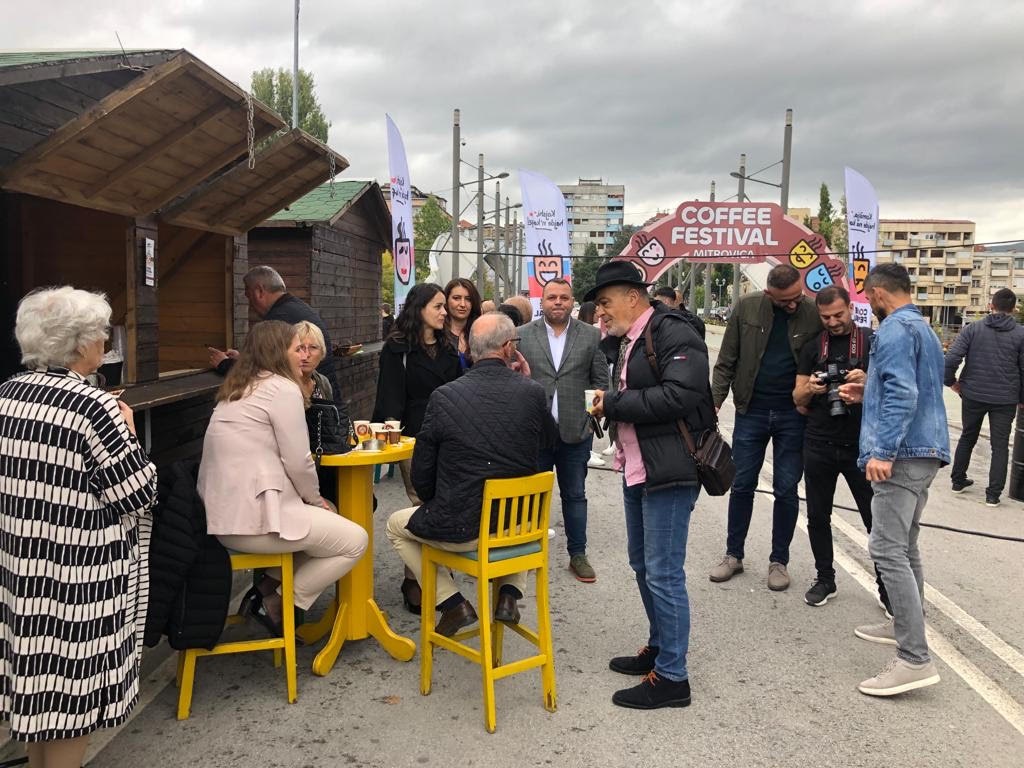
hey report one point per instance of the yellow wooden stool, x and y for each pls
(187, 659)
(522, 506)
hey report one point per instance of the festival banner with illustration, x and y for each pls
(734, 233)
(402, 248)
(546, 234)
(862, 236)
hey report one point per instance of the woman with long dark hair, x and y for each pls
(416, 359)
(462, 301)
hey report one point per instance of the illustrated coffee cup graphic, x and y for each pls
(362, 429)
(403, 255)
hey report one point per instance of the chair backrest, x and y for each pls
(521, 506)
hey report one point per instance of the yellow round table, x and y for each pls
(353, 614)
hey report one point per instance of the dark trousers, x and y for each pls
(1000, 422)
(824, 462)
(750, 436)
(569, 460)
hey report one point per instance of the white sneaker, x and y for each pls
(595, 460)
(900, 676)
(609, 451)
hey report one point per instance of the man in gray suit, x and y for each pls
(564, 357)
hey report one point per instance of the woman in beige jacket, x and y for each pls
(258, 480)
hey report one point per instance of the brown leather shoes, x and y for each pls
(454, 619)
(507, 609)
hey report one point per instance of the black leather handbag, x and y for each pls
(327, 433)
(712, 454)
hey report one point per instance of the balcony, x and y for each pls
(888, 242)
(999, 273)
(965, 278)
(939, 278)
(922, 296)
(913, 278)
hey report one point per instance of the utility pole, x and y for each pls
(497, 229)
(707, 272)
(787, 158)
(741, 198)
(513, 287)
(480, 222)
(295, 71)
(456, 149)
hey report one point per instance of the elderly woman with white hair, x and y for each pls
(75, 492)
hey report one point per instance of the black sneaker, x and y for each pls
(961, 487)
(820, 592)
(654, 693)
(641, 664)
(991, 500)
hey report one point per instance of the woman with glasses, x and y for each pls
(416, 359)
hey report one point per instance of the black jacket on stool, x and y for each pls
(489, 423)
(189, 570)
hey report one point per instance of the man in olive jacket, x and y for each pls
(648, 400)
(758, 361)
(491, 422)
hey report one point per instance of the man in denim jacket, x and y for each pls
(903, 442)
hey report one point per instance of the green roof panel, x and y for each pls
(318, 206)
(34, 58)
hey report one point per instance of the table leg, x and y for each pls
(401, 648)
(324, 661)
(313, 631)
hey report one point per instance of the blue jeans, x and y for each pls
(569, 461)
(657, 525)
(896, 510)
(750, 436)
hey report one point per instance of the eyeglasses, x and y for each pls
(311, 348)
(514, 340)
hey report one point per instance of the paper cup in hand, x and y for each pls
(588, 399)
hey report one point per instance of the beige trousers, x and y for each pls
(324, 555)
(410, 550)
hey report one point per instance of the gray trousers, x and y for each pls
(896, 514)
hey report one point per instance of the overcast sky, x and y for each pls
(926, 99)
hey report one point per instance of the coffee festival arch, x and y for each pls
(734, 233)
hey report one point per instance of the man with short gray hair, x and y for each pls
(491, 422)
(269, 298)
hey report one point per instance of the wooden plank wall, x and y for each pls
(178, 429)
(142, 320)
(192, 312)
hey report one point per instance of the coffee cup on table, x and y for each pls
(588, 399)
(362, 429)
(394, 436)
(393, 424)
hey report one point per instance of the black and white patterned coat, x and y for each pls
(75, 492)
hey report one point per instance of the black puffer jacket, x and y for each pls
(653, 408)
(489, 423)
(994, 350)
(407, 378)
(189, 571)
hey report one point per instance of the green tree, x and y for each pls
(840, 243)
(274, 88)
(584, 271)
(430, 221)
(826, 213)
(387, 278)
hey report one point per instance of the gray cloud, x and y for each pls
(925, 99)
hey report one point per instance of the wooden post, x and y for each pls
(237, 305)
(141, 318)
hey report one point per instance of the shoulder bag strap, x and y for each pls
(652, 358)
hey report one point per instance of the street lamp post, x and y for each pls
(480, 222)
(456, 184)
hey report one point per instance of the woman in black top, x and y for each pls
(416, 359)
(463, 307)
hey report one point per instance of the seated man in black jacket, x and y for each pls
(649, 400)
(489, 423)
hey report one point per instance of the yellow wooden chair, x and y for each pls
(523, 505)
(187, 659)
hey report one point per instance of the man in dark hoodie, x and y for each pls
(992, 384)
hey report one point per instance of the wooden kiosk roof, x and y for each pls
(241, 198)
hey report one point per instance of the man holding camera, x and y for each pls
(839, 355)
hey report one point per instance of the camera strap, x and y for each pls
(857, 342)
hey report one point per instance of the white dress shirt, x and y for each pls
(557, 344)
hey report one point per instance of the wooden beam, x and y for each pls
(283, 178)
(86, 66)
(172, 253)
(252, 221)
(215, 112)
(115, 102)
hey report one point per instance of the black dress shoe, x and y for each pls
(641, 664)
(654, 693)
(507, 610)
(454, 619)
(412, 596)
(249, 602)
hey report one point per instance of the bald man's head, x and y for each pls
(490, 336)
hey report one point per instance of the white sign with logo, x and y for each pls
(402, 246)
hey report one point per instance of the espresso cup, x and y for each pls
(394, 437)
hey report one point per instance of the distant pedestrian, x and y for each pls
(991, 384)
(904, 439)
(386, 320)
(758, 362)
(667, 295)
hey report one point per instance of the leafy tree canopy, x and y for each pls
(274, 88)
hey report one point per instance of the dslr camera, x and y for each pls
(832, 377)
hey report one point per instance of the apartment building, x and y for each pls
(940, 258)
(595, 212)
(993, 270)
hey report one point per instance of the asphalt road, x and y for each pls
(774, 680)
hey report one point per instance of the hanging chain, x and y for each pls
(250, 133)
(330, 155)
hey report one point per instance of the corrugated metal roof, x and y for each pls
(318, 205)
(29, 58)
